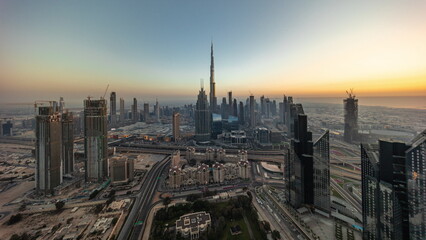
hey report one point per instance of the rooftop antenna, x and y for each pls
(202, 83)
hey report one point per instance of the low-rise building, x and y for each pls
(218, 173)
(244, 169)
(175, 177)
(192, 224)
(121, 169)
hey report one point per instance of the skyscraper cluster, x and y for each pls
(54, 146)
(393, 189)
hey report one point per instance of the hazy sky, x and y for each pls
(162, 48)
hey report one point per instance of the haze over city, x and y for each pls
(212, 120)
(158, 49)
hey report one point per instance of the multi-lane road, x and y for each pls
(135, 223)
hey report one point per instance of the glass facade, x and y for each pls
(416, 185)
(322, 173)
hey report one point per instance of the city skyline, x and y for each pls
(314, 50)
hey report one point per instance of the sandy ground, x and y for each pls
(15, 192)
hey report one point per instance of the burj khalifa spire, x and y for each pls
(213, 99)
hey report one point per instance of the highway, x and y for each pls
(346, 195)
(140, 209)
(275, 156)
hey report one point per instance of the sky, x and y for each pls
(161, 49)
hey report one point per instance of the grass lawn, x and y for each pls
(244, 235)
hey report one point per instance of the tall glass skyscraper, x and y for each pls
(384, 191)
(113, 109)
(416, 184)
(202, 118)
(322, 173)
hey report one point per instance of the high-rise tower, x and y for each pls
(67, 142)
(135, 114)
(213, 99)
(350, 105)
(48, 150)
(122, 114)
(252, 113)
(176, 126)
(202, 117)
(416, 186)
(145, 112)
(385, 206)
(95, 139)
(113, 109)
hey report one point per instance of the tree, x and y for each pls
(59, 205)
(276, 235)
(98, 208)
(192, 162)
(192, 197)
(111, 193)
(93, 194)
(266, 226)
(166, 201)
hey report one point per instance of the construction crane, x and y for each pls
(41, 102)
(105, 91)
(350, 93)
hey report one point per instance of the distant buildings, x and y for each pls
(157, 111)
(176, 126)
(202, 118)
(113, 109)
(122, 112)
(7, 129)
(95, 139)
(191, 225)
(393, 191)
(146, 112)
(48, 150)
(229, 106)
(350, 106)
(241, 116)
(262, 135)
(252, 113)
(135, 113)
